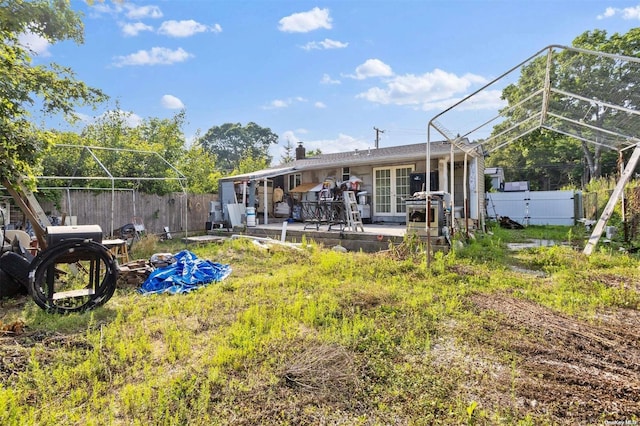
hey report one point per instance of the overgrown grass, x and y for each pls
(302, 336)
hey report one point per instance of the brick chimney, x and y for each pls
(300, 152)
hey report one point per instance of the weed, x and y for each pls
(314, 336)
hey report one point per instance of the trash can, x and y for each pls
(251, 216)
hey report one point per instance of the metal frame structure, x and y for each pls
(554, 108)
(93, 151)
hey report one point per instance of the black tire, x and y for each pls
(49, 266)
(10, 287)
(17, 267)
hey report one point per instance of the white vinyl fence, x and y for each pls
(536, 207)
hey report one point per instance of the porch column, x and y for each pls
(443, 176)
(474, 196)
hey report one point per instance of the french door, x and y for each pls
(391, 186)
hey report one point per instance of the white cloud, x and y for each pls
(102, 8)
(304, 22)
(627, 13)
(279, 103)
(290, 136)
(486, 99)
(130, 119)
(372, 68)
(326, 79)
(84, 118)
(139, 12)
(171, 102)
(320, 105)
(325, 44)
(155, 56)
(631, 13)
(133, 29)
(185, 28)
(341, 144)
(99, 8)
(216, 28)
(38, 45)
(426, 89)
(284, 103)
(130, 10)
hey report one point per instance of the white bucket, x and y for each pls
(251, 216)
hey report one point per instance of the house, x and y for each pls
(383, 178)
(496, 174)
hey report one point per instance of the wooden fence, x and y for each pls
(111, 210)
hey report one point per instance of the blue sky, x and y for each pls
(322, 72)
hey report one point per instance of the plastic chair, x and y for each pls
(22, 236)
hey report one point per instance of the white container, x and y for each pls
(251, 216)
(362, 197)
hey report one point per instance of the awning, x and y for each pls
(261, 174)
(307, 187)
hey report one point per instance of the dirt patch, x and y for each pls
(571, 371)
(617, 281)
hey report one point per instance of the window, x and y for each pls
(346, 174)
(391, 186)
(294, 180)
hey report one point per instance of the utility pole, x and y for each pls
(378, 131)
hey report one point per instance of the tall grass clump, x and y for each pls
(484, 248)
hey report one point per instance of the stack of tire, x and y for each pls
(14, 271)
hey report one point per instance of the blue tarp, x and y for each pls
(186, 274)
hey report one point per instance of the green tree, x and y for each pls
(199, 166)
(66, 161)
(289, 153)
(144, 151)
(545, 159)
(552, 159)
(250, 164)
(231, 141)
(129, 150)
(603, 80)
(22, 83)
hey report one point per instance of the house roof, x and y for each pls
(387, 155)
(391, 154)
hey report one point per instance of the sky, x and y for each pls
(324, 73)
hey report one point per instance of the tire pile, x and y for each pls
(89, 265)
(14, 271)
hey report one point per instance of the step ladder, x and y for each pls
(354, 220)
(31, 208)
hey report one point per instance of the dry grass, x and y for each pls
(323, 369)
